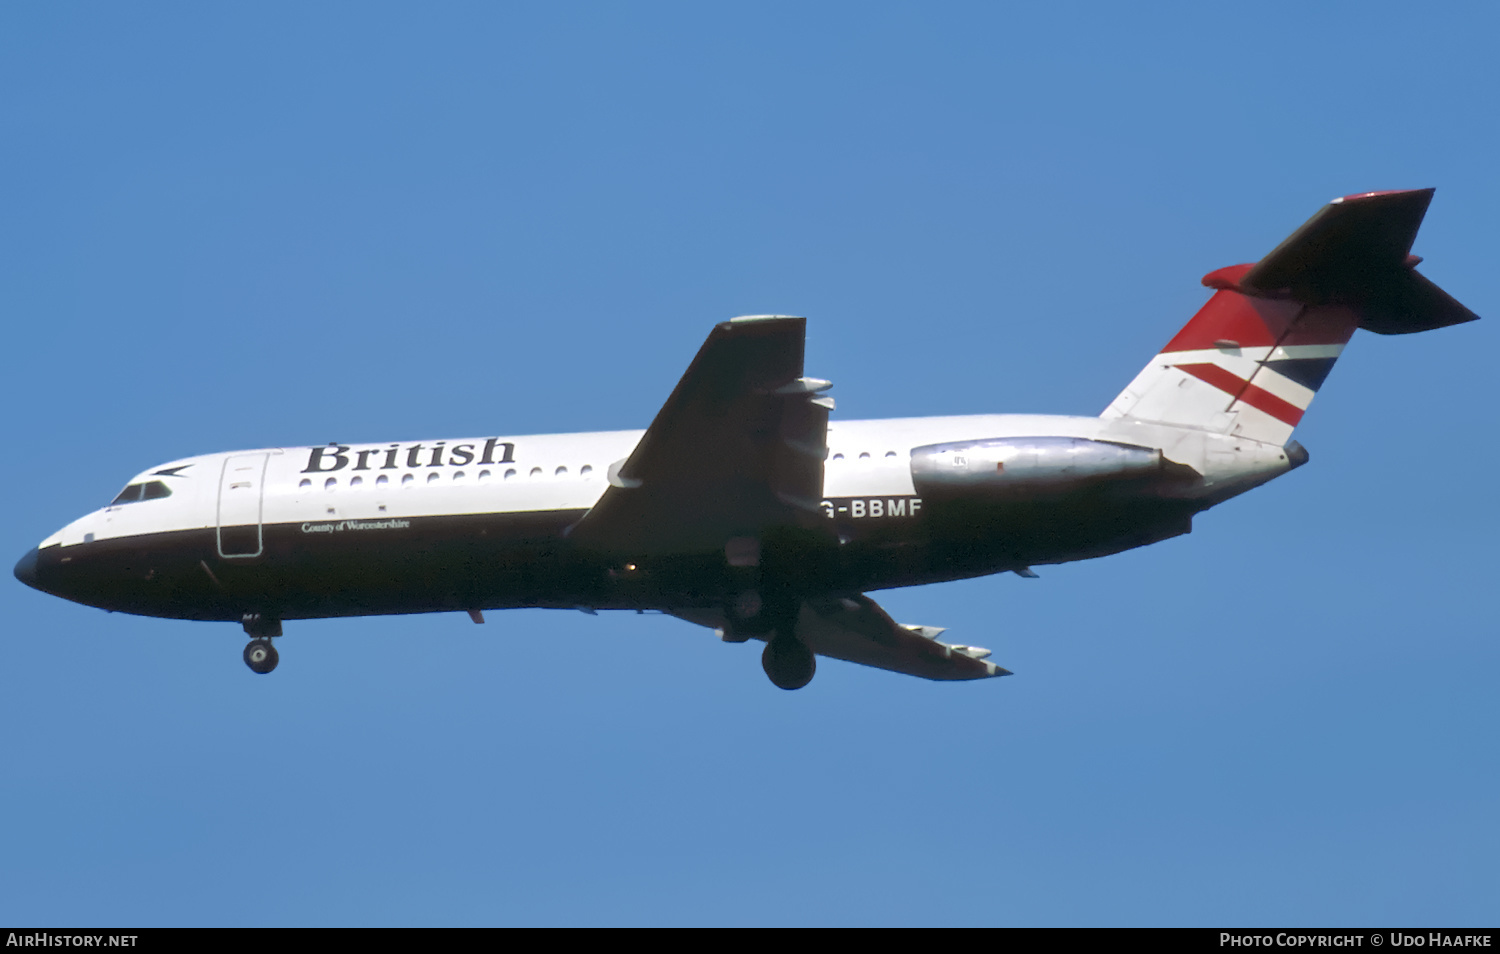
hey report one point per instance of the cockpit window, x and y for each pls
(129, 495)
(152, 490)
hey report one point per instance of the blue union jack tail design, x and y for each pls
(1252, 358)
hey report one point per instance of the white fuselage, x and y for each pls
(569, 472)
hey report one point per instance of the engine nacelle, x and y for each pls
(1031, 466)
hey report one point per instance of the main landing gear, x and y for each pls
(767, 605)
(773, 617)
(260, 655)
(788, 662)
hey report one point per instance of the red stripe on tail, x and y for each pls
(1245, 392)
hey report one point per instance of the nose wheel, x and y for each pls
(261, 656)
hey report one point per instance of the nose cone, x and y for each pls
(26, 570)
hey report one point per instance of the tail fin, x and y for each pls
(1252, 358)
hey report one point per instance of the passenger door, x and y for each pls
(240, 488)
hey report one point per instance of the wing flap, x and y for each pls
(858, 630)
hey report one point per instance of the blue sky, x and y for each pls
(236, 226)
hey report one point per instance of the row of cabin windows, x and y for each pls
(459, 476)
(155, 489)
(408, 480)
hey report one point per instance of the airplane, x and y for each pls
(743, 507)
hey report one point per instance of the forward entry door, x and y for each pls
(240, 488)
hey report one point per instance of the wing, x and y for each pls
(859, 631)
(737, 448)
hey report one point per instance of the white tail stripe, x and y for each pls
(1242, 368)
(1293, 352)
(1239, 365)
(1268, 379)
(1285, 353)
(1247, 370)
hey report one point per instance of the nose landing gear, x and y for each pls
(259, 654)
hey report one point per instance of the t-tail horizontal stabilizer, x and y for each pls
(1357, 250)
(1251, 360)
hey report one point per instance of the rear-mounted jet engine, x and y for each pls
(1013, 468)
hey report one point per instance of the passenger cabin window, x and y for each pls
(153, 490)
